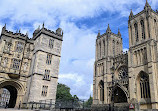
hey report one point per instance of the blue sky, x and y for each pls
(80, 21)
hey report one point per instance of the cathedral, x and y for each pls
(128, 77)
(29, 67)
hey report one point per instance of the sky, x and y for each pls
(80, 21)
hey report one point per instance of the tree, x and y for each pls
(75, 97)
(89, 102)
(63, 92)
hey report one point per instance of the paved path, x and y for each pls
(10, 109)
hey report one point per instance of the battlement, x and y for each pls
(109, 32)
(14, 35)
(58, 34)
(147, 10)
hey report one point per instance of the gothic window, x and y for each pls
(16, 64)
(44, 90)
(104, 47)
(145, 60)
(155, 26)
(136, 32)
(47, 75)
(101, 90)
(123, 73)
(5, 62)
(25, 66)
(113, 47)
(49, 59)
(51, 43)
(19, 47)
(144, 86)
(100, 49)
(117, 48)
(142, 29)
(131, 36)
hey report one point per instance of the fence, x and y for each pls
(71, 104)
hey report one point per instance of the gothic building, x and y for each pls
(29, 66)
(130, 77)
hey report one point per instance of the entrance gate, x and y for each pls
(119, 96)
(13, 95)
(16, 92)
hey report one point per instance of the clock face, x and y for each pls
(123, 73)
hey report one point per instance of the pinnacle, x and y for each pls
(131, 13)
(147, 4)
(98, 32)
(43, 25)
(119, 33)
(108, 29)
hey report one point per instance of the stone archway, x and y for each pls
(16, 90)
(13, 95)
(119, 96)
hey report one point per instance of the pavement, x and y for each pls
(11, 109)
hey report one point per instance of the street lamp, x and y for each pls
(112, 69)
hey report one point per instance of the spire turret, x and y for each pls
(27, 34)
(43, 25)
(147, 6)
(98, 33)
(4, 28)
(119, 33)
(131, 14)
(108, 29)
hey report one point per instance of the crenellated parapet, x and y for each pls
(58, 34)
(108, 33)
(147, 10)
(19, 35)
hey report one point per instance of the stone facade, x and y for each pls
(134, 72)
(29, 67)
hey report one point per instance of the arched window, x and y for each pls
(104, 46)
(101, 90)
(136, 32)
(113, 48)
(142, 29)
(144, 85)
(131, 36)
(100, 49)
(117, 46)
(155, 26)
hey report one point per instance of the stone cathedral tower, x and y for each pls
(136, 72)
(108, 45)
(29, 67)
(143, 59)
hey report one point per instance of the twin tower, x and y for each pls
(130, 77)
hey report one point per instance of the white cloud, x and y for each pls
(71, 76)
(1, 28)
(39, 10)
(125, 49)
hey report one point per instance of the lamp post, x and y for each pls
(112, 97)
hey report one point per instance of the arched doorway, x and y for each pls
(16, 92)
(13, 95)
(119, 95)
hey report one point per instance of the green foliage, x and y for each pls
(63, 92)
(89, 102)
(75, 97)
